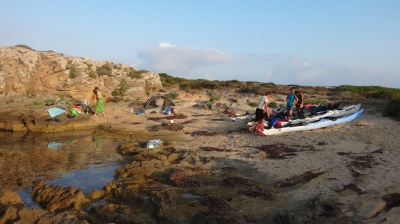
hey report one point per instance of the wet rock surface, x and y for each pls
(212, 171)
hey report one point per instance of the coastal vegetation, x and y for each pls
(343, 92)
(374, 92)
(392, 109)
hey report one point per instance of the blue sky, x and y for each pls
(307, 42)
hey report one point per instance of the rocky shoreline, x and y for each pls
(211, 170)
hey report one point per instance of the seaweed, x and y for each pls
(299, 179)
(278, 151)
(203, 133)
(217, 205)
(256, 191)
(233, 181)
(209, 149)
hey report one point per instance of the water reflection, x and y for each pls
(81, 159)
(89, 179)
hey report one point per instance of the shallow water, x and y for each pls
(82, 159)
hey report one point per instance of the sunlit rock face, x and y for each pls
(24, 70)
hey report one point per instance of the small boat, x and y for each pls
(329, 113)
(321, 123)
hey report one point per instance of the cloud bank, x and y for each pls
(205, 63)
(172, 59)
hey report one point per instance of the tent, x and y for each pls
(152, 102)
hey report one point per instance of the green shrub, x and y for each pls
(136, 74)
(37, 103)
(173, 95)
(168, 80)
(93, 74)
(147, 87)
(49, 101)
(30, 94)
(253, 104)
(73, 72)
(24, 46)
(115, 99)
(376, 92)
(273, 104)
(104, 70)
(122, 90)
(208, 105)
(10, 101)
(392, 109)
(213, 98)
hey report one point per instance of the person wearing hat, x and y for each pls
(99, 107)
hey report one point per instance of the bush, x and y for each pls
(72, 72)
(104, 70)
(122, 90)
(30, 94)
(49, 101)
(273, 104)
(253, 104)
(136, 74)
(392, 109)
(93, 74)
(213, 98)
(376, 92)
(173, 95)
(10, 101)
(115, 99)
(24, 46)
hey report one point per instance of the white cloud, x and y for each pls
(163, 44)
(181, 60)
(194, 63)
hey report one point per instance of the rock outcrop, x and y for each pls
(23, 70)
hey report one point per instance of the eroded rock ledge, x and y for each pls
(173, 185)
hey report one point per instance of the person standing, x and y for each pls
(99, 107)
(262, 111)
(300, 99)
(291, 100)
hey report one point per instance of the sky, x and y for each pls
(287, 42)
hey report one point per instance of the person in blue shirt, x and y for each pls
(291, 101)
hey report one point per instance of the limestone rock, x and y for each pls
(57, 198)
(24, 70)
(371, 207)
(8, 198)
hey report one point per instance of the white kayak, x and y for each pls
(242, 117)
(330, 113)
(322, 123)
